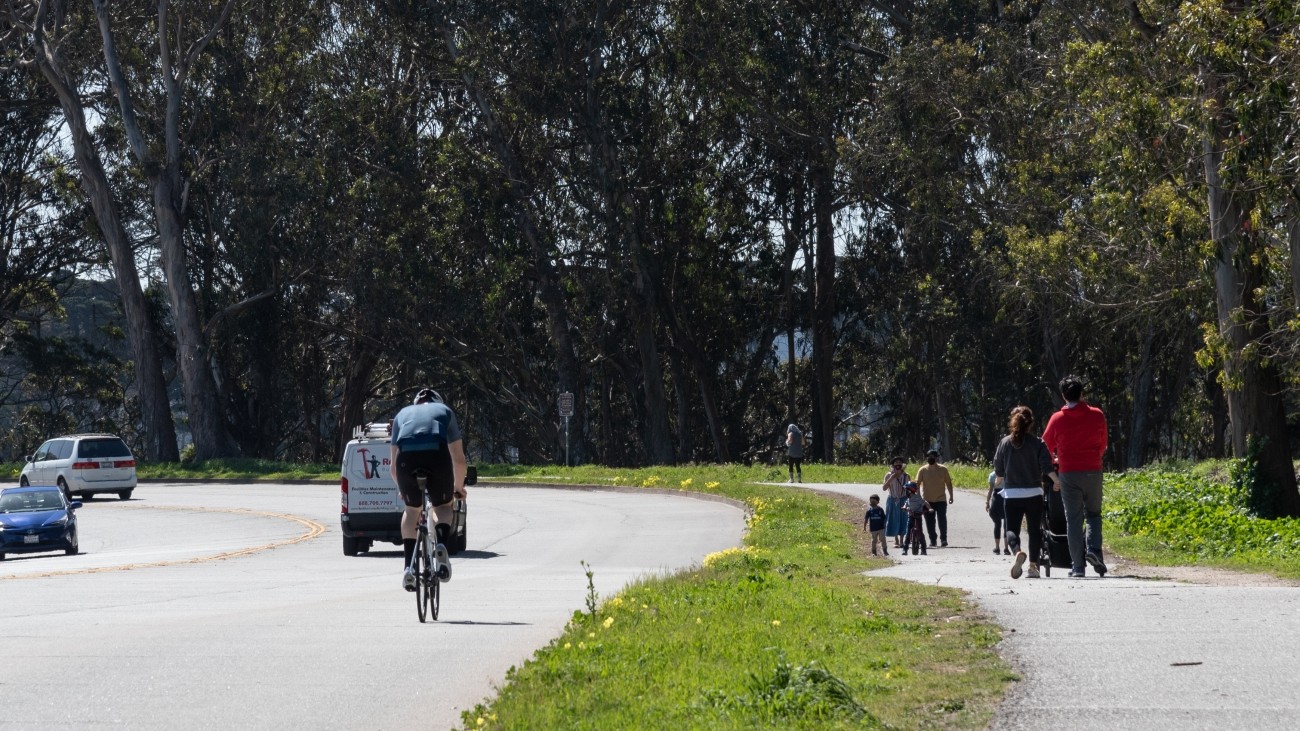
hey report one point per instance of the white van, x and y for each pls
(371, 509)
(370, 506)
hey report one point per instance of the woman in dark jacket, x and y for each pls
(1020, 463)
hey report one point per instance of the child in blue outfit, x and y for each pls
(875, 522)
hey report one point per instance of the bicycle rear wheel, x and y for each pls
(420, 566)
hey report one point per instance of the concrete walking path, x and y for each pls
(1217, 650)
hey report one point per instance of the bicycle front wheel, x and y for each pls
(423, 576)
(434, 594)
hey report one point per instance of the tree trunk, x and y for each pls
(1293, 243)
(824, 311)
(356, 385)
(1252, 384)
(203, 401)
(1139, 423)
(159, 430)
(685, 445)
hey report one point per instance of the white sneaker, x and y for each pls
(408, 579)
(444, 562)
(1021, 557)
(1032, 572)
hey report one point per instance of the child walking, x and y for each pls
(875, 522)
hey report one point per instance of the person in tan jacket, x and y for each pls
(933, 479)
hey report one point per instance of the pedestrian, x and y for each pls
(993, 505)
(933, 478)
(895, 489)
(1076, 436)
(1019, 464)
(874, 521)
(794, 451)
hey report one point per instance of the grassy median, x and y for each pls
(784, 632)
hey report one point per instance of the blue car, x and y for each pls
(36, 519)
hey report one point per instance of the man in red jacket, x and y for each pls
(1076, 436)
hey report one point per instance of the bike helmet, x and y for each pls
(425, 395)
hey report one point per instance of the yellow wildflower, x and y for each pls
(609, 622)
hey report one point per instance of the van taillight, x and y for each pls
(124, 463)
(343, 489)
(85, 465)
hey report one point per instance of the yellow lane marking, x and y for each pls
(314, 529)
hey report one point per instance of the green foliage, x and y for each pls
(1172, 515)
(1252, 489)
(795, 692)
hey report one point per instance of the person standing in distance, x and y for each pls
(1076, 435)
(794, 451)
(933, 478)
(425, 437)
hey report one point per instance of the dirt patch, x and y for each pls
(1203, 575)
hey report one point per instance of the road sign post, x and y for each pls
(566, 410)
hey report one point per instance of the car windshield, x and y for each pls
(28, 502)
(100, 448)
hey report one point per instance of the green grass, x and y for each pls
(971, 476)
(784, 633)
(1179, 514)
(239, 468)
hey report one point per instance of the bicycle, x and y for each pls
(428, 586)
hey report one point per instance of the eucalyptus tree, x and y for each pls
(483, 45)
(53, 41)
(1216, 66)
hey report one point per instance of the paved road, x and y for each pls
(1122, 652)
(232, 606)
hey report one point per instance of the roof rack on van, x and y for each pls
(372, 430)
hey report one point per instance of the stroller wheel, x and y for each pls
(1047, 569)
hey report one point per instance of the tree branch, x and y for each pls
(1148, 31)
(131, 125)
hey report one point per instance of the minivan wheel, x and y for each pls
(63, 485)
(124, 494)
(23, 481)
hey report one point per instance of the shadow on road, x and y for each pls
(487, 624)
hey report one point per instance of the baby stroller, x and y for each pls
(1056, 547)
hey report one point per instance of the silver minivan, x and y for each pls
(82, 464)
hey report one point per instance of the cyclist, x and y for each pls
(426, 438)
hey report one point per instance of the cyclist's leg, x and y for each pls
(441, 486)
(408, 487)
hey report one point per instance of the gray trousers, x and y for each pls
(1081, 496)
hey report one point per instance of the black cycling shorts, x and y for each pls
(441, 480)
